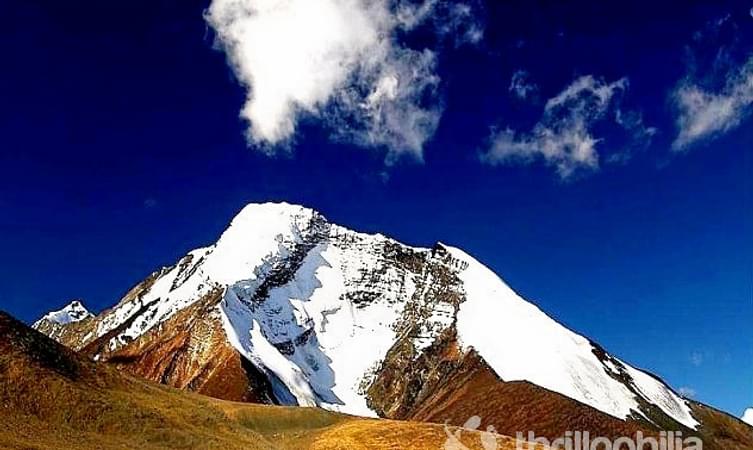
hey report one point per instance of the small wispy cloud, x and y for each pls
(704, 114)
(716, 94)
(640, 134)
(341, 62)
(563, 137)
(521, 85)
(696, 358)
(459, 22)
(150, 203)
(687, 392)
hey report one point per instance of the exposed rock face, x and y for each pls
(288, 308)
(190, 351)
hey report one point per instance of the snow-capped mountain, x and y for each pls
(55, 323)
(748, 416)
(72, 312)
(289, 308)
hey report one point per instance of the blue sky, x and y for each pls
(121, 147)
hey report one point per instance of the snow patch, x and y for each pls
(748, 416)
(310, 335)
(657, 393)
(73, 312)
(244, 333)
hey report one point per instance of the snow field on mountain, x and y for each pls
(345, 342)
(520, 342)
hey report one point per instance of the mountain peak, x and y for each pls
(270, 210)
(256, 233)
(74, 311)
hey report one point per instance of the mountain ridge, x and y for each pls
(314, 314)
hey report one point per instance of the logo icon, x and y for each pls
(488, 438)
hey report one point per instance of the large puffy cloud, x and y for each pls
(339, 61)
(704, 114)
(564, 137)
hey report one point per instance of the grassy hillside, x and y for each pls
(52, 398)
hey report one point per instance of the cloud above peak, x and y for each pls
(706, 113)
(716, 94)
(338, 61)
(564, 136)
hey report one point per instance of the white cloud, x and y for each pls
(459, 21)
(704, 114)
(455, 20)
(696, 358)
(687, 392)
(390, 113)
(564, 137)
(335, 60)
(521, 85)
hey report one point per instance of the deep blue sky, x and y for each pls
(121, 149)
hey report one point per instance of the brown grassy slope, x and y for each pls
(395, 435)
(721, 430)
(52, 398)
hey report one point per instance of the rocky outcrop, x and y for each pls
(190, 351)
